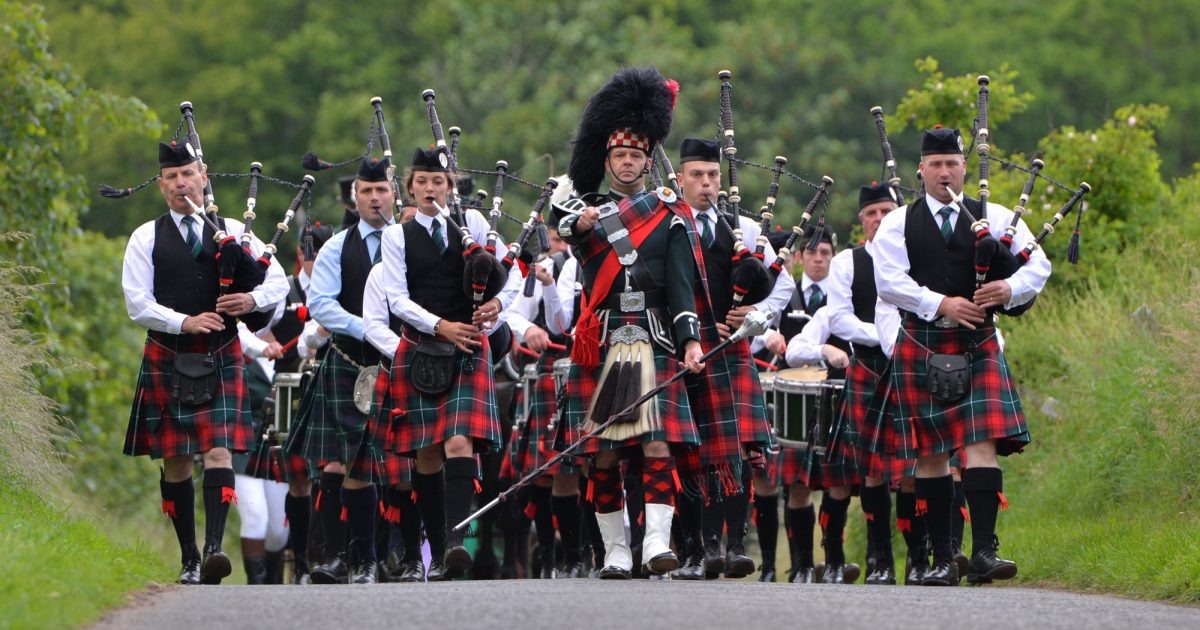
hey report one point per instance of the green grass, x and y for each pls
(59, 570)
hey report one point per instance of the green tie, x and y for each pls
(378, 236)
(705, 229)
(946, 229)
(193, 242)
(814, 299)
(438, 239)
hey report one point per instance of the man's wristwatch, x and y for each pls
(437, 328)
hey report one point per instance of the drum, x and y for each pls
(285, 394)
(806, 405)
(529, 377)
(562, 369)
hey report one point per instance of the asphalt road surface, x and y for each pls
(578, 604)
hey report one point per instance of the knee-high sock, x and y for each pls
(877, 509)
(461, 475)
(938, 496)
(431, 502)
(689, 522)
(330, 507)
(800, 535)
(218, 495)
(296, 510)
(360, 506)
(958, 516)
(179, 504)
(735, 508)
(983, 488)
(766, 519)
(590, 528)
(543, 519)
(567, 513)
(833, 526)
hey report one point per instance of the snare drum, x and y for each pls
(286, 394)
(529, 377)
(806, 404)
(562, 369)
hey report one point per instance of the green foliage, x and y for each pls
(60, 570)
(954, 101)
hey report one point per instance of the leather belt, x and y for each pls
(943, 322)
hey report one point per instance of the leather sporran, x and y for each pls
(949, 377)
(432, 369)
(194, 381)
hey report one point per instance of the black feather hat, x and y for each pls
(635, 108)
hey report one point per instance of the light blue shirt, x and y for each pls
(326, 283)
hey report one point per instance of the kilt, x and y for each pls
(729, 407)
(328, 427)
(677, 427)
(371, 462)
(990, 411)
(160, 426)
(468, 408)
(534, 444)
(846, 455)
(807, 468)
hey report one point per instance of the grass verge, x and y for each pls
(59, 570)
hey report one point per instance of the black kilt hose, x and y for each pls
(328, 425)
(161, 426)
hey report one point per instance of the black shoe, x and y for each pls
(437, 569)
(944, 572)
(215, 567)
(548, 572)
(960, 559)
(615, 573)
(714, 561)
(884, 573)
(691, 569)
(572, 570)
(458, 561)
(737, 564)
(394, 563)
(336, 571)
(766, 573)
(915, 567)
(819, 572)
(986, 566)
(411, 571)
(850, 573)
(190, 572)
(804, 575)
(364, 573)
(834, 574)
(664, 562)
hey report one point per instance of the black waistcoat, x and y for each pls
(435, 281)
(289, 327)
(182, 283)
(947, 268)
(863, 295)
(356, 266)
(718, 264)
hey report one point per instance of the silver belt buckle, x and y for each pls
(945, 322)
(633, 302)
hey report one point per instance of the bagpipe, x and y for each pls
(238, 270)
(994, 258)
(752, 281)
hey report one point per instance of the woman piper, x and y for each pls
(441, 386)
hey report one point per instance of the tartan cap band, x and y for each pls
(628, 138)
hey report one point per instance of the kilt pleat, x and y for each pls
(328, 427)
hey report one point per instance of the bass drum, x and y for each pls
(806, 405)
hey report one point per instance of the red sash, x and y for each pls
(586, 351)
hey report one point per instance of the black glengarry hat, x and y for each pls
(175, 154)
(699, 150)
(373, 170)
(875, 192)
(941, 141)
(427, 160)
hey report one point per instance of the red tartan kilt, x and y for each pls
(542, 408)
(990, 411)
(804, 468)
(468, 408)
(728, 405)
(878, 442)
(161, 427)
(371, 462)
(296, 468)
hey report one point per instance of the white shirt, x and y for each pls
(896, 287)
(565, 290)
(253, 348)
(376, 315)
(396, 269)
(805, 347)
(843, 322)
(137, 277)
(326, 283)
(523, 312)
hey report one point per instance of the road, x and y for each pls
(579, 604)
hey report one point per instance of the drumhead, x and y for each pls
(801, 380)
